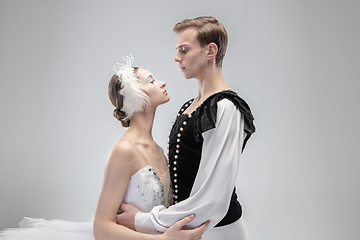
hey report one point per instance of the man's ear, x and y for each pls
(212, 51)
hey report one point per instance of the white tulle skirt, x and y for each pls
(41, 229)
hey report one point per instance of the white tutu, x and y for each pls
(145, 190)
(41, 229)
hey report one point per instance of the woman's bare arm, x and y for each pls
(121, 165)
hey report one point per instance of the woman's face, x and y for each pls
(155, 88)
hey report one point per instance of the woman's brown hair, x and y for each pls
(117, 99)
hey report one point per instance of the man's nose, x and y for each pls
(177, 58)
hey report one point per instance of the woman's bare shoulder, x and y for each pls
(123, 152)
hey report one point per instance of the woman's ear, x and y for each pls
(212, 51)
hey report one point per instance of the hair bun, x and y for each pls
(120, 115)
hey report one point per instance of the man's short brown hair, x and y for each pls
(209, 30)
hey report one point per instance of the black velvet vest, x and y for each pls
(185, 145)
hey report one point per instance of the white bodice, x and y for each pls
(146, 190)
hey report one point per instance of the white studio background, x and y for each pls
(295, 62)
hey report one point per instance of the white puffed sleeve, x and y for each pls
(211, 193)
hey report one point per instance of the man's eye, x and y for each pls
(183, 50)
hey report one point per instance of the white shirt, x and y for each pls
(215, 180)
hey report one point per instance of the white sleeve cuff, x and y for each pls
(144, 224)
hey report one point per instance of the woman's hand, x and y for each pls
(127, 217)
(176, 231)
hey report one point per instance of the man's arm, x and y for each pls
(215, 180)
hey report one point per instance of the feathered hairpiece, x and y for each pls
(135, 99)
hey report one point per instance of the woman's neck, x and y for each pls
(141, 125)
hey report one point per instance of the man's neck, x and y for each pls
(211, 82)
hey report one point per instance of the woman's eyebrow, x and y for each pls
(150, 76)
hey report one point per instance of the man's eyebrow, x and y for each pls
(179, 46)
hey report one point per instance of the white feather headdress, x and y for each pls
(135, 98)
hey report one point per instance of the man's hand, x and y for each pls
(127, 217)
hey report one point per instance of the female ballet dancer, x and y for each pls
(136, 172)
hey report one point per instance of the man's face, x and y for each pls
(192, 58)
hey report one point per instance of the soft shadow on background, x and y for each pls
(295, 62)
